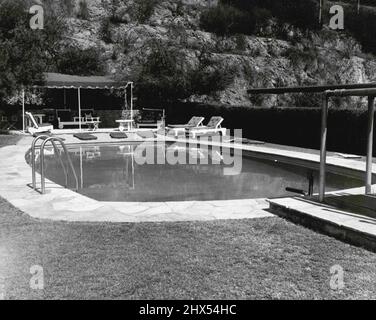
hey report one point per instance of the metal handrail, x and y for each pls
(33, 145)
(53, 139)
(33, 160)
(33, 165)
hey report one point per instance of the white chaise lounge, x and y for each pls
(37, 127)
(213, 126)
(195, 122)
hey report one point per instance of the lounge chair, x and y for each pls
(37, 128)
(151, 118)
(66, 118)
(213, 126)
(8, 122)
(195, 122)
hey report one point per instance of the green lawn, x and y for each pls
(240, 259)
(233, 259)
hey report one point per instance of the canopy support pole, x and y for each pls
(131, 105)
(23, 110)
(371, 114)
(324, 131)
(79, 107)
(65, 99)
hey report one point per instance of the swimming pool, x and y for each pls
(115, 173)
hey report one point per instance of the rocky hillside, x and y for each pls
(124, 29)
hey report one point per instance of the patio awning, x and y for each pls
(65, 81)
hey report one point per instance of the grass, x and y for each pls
(238, 259)
(8, 139)
(233, 259)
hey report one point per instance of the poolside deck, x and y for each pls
(347, 225)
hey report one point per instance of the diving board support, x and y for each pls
(361, 92)
(371, 117)
(324, 132)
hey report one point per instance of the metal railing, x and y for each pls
(53, 141)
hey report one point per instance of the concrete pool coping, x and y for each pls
(345, 225)
(63, 204)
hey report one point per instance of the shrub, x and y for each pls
(144, 9)
(80, 62)
(69, 6)
(105, 30)
(241, 42)
(83, 10)
(209, 77)
(363, 27)
(243, 16)
(301, 13)
(116, 16)
(162, 76)
(165, 76)
(306, 100)
(225, 20)
(307, 54)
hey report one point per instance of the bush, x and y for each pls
(144, 9)
(105, 30)
(301, 13)
(115, 15)
(306, 100)
(165, 76)
(225, 20)
(162, 76)
(69, 6)
(76, 61)
(363, 27)
(241, 42)
(83, 10)
(243, 16)
(208, 77)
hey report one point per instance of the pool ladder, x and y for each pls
(53, 141)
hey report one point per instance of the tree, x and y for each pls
(24, 53)
(76, 61)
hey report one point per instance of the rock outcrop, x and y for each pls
(257, 61)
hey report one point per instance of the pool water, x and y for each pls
(113, 173)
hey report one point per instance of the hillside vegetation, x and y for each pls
(213, 51)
